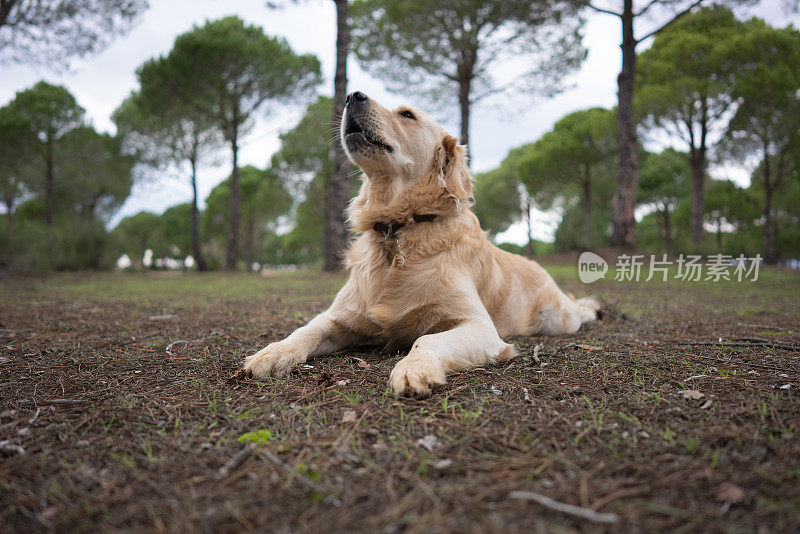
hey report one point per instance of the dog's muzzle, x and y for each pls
(356, 133)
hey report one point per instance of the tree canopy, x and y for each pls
(443, 50)
(52, 31)
(578, 151)
(95, 176)
(226, 70)
(48, 112)
(766, 125)
(685, 88)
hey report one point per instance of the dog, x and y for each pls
(422, 273)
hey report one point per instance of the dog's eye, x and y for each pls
(407, 114)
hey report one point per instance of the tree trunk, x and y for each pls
(770, 234)
(338, 191)
(587, 206)
(197, 247)
(5, 10)
(463, 102)
(49, 183)
(622, 206)
(697, 161)
(248, 243)
(667, 230)
(719, 235)
(529, 246)
(232, 252)
(9, 202)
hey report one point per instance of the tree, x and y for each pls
(339, 183)
(766, 124)
(50, 31)
(165, 131)
(48, 112)
(265, 199)
(787, 214)
(226, 70)
(575, 153)
(305, 151)
(513, 190)
(96, 177)
(498, 203)
(664, 183)
(624, 224)
(729, 207)
(447, 48)
(18, 148)
(685, 89)
(135, 234)
(338, 191)
(304, 164)
(175, 228)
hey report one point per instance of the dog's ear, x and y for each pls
(453, 167)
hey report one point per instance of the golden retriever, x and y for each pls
(422, 272)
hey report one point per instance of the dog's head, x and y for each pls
(403, 143)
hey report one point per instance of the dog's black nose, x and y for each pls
(355, 98)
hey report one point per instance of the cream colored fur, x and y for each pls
(440, 288)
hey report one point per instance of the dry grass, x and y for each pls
(118, 434)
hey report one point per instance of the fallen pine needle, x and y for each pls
(570, 509)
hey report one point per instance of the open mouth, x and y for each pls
(356, 136)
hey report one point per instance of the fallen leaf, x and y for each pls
(349, 416)
(731, 493)
(50, 513)
(429, 442)
(443, 464)
(589, 347)
(8, 446)
(362, 363)
(526, 395)
(707, 404)
(692, 394)
(536, 350)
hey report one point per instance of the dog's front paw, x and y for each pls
(276, 359)
(416, 374)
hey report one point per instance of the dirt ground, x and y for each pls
(119, 410)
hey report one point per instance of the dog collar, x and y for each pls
(388, 229)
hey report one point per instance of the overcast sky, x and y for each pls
(102, 81)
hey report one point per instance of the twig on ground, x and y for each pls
(740, 362)
(565, 508)
(169, 347)
(234, 462)
(307, 482)
(748, 342)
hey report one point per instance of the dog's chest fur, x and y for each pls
(403, 289)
